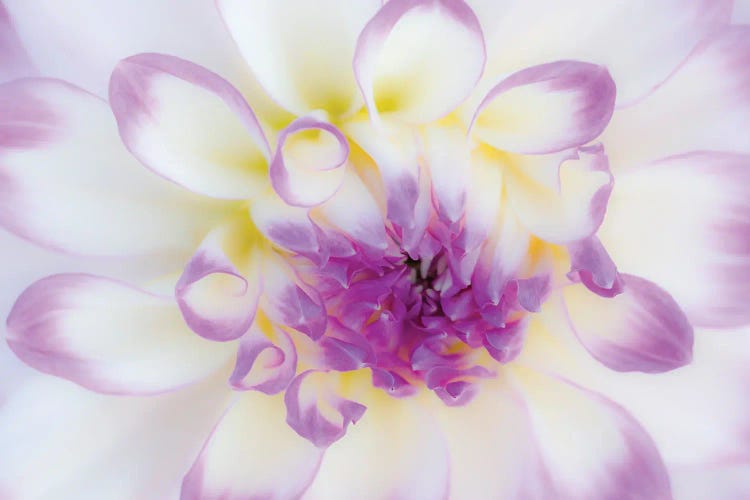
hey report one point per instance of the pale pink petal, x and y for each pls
(67, 182)
(316, 412)
(287, 226)
(641, 329)
(639, 42)
(546, 108)
(216, 300)
(301, 51)
(416, 60)
(723, 480)
(591, 265)
(447, 153)
(397, 450)
(684, 223)
(63, 441)
(14, 61)
(705, 105)
(252, 453)
(264, 363)
(741, 12)
(108, 336)
(189, 125)
(82, 44)
(309, 164)
(565, 207)
(593, 448)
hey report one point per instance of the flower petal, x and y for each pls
(67, 182)
(252, 453)
(449, 159)
(705, 105)
(418, 59)
(568, 207)
(546, 108)
(216, 300)
(309, 164)
(108, 336)
(522, 33)
(63, 441)
(684, 222)
(189, 125)
(412, 462)
(594, 449)
(642, 329)
(591, 265)
(307, 398)
(14, 62)
(266, 360)
(301, 52)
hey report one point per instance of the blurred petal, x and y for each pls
(252, 453)
(547, 108)
(14, 62)
(684, 222)
(67, 182)
(418, 59)
(189, 125)
(642, 329)
(300, 51)
(108, 336)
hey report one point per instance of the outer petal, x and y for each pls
(521, 33)
(14, 62)
(449, 159)
(189, 125)
(252, 453)
(419, 59)
(684, 222)
(99, 35)
(108, 336)
(412, 462)
(67, 182)
(594, 449)
(63, 441)
(546, 108)
(642, 329)
(300, 51)
(705, 105)
(308, 166)
(216, 300)
(565, 207)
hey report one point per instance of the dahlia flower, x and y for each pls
(375, 249)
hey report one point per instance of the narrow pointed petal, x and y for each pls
(67, 182)
(252, 453)
(444, 60)
(301, 52)
(108, 336)
(189, 125)
(684, 222)
(641, 329)
(546, 108)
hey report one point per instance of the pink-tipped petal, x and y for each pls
(307, 170)
(684, 222)
(289, 227)
(591, 265)
(216, 300)
(444, 60)
(304, 398)
(546, 108)
(189, 125)
(447, 154)
(252, 453)
(66, 181)
(641, 329)
(262, 364)
(108, 336)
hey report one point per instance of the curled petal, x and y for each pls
(189, 125)
(289, 301)
(641, 329)
(591, 264)
(217, 302)
(505, 344)
(108, 336)
(263, 365)
(308, 165)
(546, 108)
(252, 453)
(444, 60)
(303, 399)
